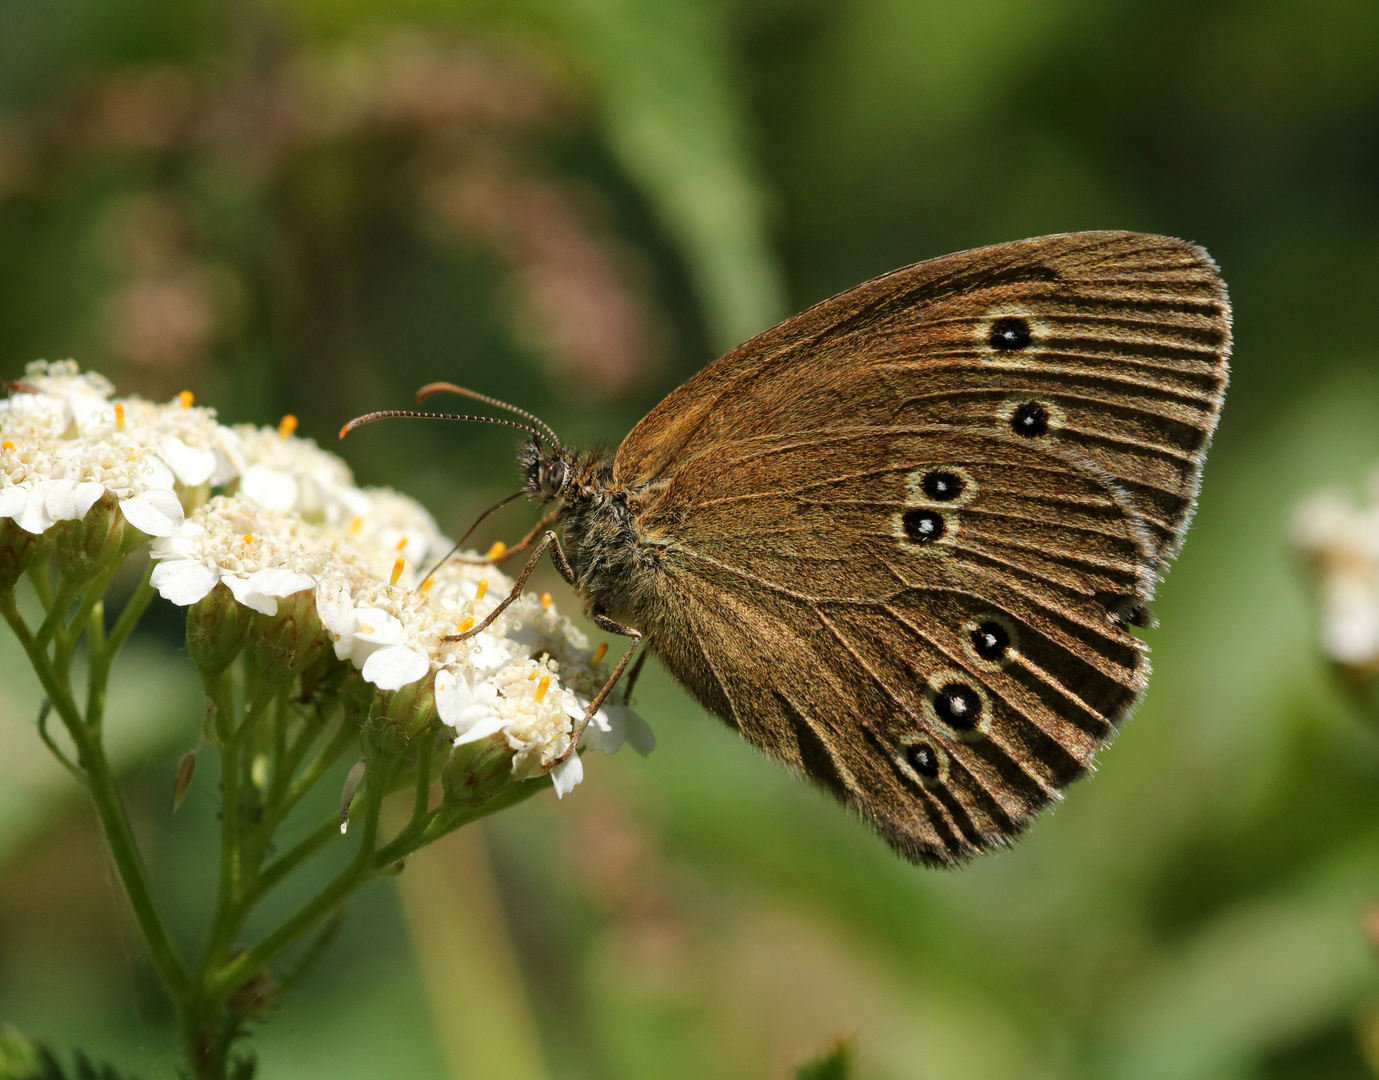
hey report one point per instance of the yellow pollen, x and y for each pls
(356, 524)
(397, 571)
(119, 416)
(287, 425)
(466, 624)
(7, 445)
(599, 653)
(483, 588)
(426, 585)
(543, 687)
(496, 551)
(134, 455)
(248, 538)
(186, 397)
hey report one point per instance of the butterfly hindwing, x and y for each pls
(900, 535)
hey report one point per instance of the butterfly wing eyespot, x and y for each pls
(1036, 414)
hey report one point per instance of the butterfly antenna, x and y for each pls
(450, 388)
(469, 532)
(369, 418)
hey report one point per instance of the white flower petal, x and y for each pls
(247, 595)
(156, 512)
(480, 727)
(13, 500)
(394, 666)
(85, 497)
(154, 474)
(376, 625)
(90, 412)
(270, 488)
(191, 467)
(183, 581)
(280, 581)
(566, 775)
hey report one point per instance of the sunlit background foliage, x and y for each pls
(315, 206)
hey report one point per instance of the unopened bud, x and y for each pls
(186, 769)
(217, 626)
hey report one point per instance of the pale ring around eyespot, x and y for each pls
(939, 709)
(915, 484)
(910, 744)
(972, 628)
(910, 525)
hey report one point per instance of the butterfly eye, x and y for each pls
(552, 477)
(1030, 420)
(924, 526)
(1009, 334)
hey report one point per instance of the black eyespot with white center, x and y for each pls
(990, 640)
(924, 526)
(924, 759)
(1030, 419)
(958, 705)
(942, 486)
(1010, 334)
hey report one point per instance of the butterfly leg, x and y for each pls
(508, 552)
(550, 540)
(603, 622)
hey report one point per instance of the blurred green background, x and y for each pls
(316, 206)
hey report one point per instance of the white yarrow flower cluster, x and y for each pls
(269, 516)
(1340, 541)
(64, 442)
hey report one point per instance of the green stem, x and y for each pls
(105, 795)
(360, 869)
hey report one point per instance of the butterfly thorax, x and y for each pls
(614, 563)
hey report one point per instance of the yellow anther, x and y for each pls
(483, 588)
(546, 601)
(134, 455)
(186, 397)
(543, 687)
(599, 653)
(287, 425)
(426, 585)
(356, 524)
(465, 625)
(7, 445)
(248, 538)
(497, 550)
(119, 416)
(400, 544)
(397, 571)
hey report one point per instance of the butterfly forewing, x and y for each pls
(902, 532)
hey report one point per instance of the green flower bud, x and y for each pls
(477, 772)
(289, 642)
(16, 548)
(217, 626)
(85, 547)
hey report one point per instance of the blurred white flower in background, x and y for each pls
(1340, 542)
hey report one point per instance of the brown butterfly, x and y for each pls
(896, 541)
